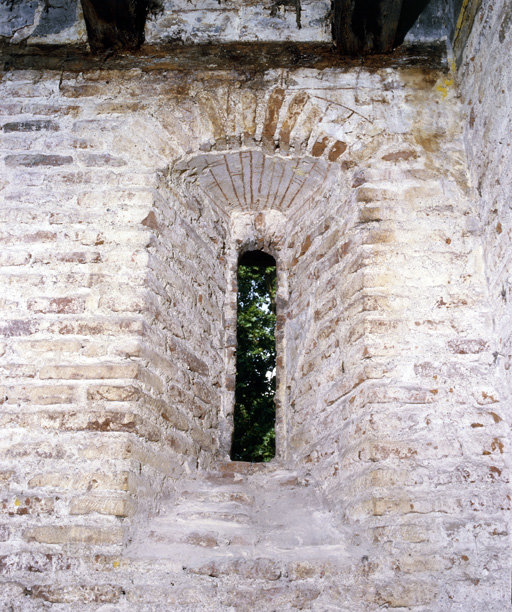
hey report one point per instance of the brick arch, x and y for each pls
(288, 121)
(248, 179)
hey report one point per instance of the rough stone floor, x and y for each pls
(242, 537)
(253, 536)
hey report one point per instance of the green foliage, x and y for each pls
(254, 418)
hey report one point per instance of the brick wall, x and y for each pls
(127, 197)
(185, 336)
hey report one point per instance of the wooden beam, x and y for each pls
(115, 24)
(390, 11)
(362, 27)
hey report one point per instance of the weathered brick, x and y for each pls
(266, 569)
(115, 506)
(21, 505)
(81, 594)
(119, 450)
(20, 327)
(89, 371)
(32, 237)
(96, 326)
(468, 347)
(113, 393)
(61, 305)
(41, 395)
(46, 347)
(82, 481)
(102, 160)
(32, 160)
(193, 363)
(35, 125)
(415, 533)
(4, 533)
(405, 595)
(6, 476)
(25, 561)
(14, 258)
(93, 536)
(73, 257)
(92, 421)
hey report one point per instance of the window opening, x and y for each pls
(254, 412)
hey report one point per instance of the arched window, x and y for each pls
(254, 412)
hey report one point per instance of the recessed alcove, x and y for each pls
(296, 210)
(250, 201)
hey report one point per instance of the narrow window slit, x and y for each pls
(254, 412)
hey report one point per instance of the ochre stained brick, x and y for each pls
(337, 149)
(274, 104)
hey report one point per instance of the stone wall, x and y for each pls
(485, 85)
(127, 196)
(211, 21)
(40, 22)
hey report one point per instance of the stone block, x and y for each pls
(59, 22)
